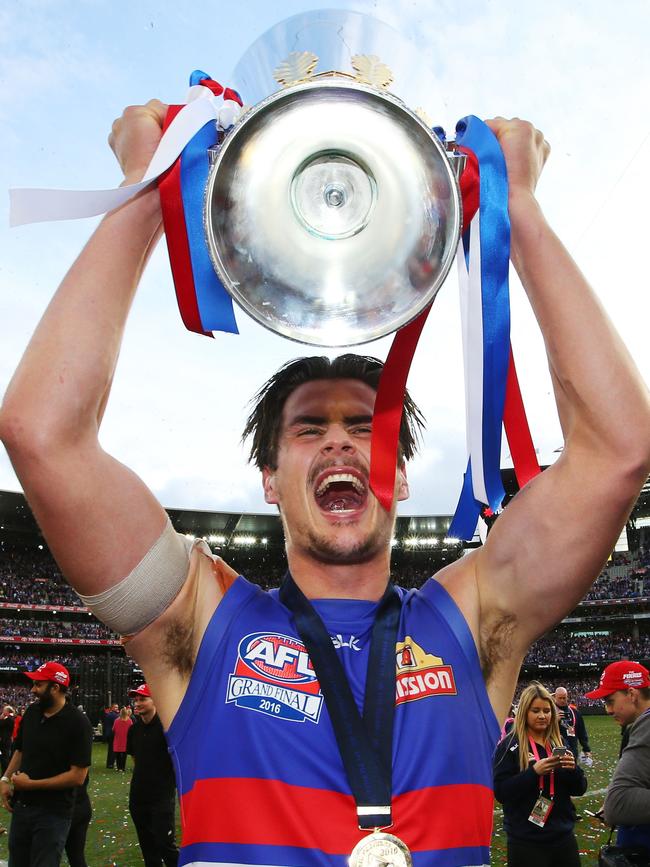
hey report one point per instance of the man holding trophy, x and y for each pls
(287, 750)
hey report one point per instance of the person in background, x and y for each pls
(535, 774)
(152, 797)
(75, 844)
(506, 728)
(6, 735)
(121, 728)
(110, 715)
(572, 725)
(625, 688)
(17, 720)
(52, 757)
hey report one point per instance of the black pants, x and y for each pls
(120, 761)
(110, 755)
(156, 828)
(76, 842)
(37, 836)
(564, 854)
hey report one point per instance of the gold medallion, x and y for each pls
(380, 850)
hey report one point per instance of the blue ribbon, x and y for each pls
(474, 134)
(214, 302)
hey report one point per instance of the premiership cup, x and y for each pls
(332, 210)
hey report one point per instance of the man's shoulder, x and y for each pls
(32, 711)
(640, 732)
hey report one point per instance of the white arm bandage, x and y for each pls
(149, 589)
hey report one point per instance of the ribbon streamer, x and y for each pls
(204, 303)
(27, 205)
(493, 397)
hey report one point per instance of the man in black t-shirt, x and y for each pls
(52, 756)
(153, 784)
(572, 725)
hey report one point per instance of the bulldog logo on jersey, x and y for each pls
(420, 674)
(273, 675)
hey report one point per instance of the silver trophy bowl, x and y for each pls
(332, 212)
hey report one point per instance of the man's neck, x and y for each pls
(319, 580)
(642, 707)
(147, 717)
(55, 707)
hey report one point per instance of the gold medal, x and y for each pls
(380, 850)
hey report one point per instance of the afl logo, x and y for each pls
(276, 657)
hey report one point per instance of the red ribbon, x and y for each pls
(515, 423)
(470, 187)
(171, 202)
(389, 405)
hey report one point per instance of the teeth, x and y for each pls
(340, 477)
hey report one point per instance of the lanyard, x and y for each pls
(365, 743)
(533, 747)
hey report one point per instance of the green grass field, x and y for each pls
(112, 841)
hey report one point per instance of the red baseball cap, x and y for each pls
(53, 671)
(143, 689)
(621, 675)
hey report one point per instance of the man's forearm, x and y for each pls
(601, 398)
(67, 780)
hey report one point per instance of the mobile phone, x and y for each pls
(560, 751)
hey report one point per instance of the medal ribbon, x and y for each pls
(549, 753)
(365, 743)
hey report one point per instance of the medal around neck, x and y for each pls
(332, 210)
(381, 850)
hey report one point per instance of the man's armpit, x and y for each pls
(496, 643)
(178, 652)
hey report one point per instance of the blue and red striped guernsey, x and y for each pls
(259, 774)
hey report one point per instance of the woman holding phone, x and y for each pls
(535, 775)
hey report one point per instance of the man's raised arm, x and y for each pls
(51, 413)
(550, 543)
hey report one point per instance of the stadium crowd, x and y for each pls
(44, 585)
(561, 646)
(54, 629)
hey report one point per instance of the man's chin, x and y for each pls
(344, 552)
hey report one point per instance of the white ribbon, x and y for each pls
(471, 312)
(28, 205)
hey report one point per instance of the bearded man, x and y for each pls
(288, 751)
(52, 757)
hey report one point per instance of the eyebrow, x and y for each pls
(321, 420)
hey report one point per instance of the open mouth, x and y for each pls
(340, 492)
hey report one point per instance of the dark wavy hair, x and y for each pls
(264, 422)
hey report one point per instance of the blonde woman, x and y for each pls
(535, 775)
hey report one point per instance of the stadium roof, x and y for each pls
(17, 524)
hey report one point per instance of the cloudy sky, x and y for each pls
(579, 71)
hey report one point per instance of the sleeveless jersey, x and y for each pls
(259, 774)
